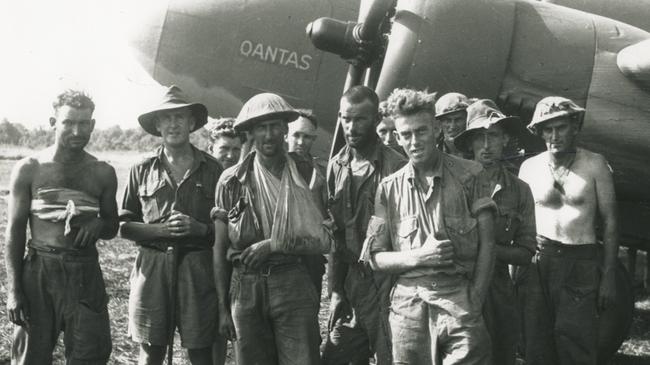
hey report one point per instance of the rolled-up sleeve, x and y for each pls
(131, 208)
(377, 234)
(480, 192)
(222, 202)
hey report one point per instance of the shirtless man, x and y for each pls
(68, 198)
(573, 277)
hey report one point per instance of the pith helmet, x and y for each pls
(173, 99)
(451, 103)
(483, 114)
(264, 106)
(553, 107)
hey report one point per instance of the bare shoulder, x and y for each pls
(532, 164)
(25, 169)
(104, 172)
(593, 163)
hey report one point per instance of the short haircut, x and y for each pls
(383, 109)
(358, 94)
(309, 115)
(404, 102)
(74, 98)
(224, 127)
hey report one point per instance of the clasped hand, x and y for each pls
(436, 253)
(182, 225)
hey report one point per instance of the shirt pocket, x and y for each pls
(463, 233)
(406, 233)
(152, 200)
(243, 227)
(203, 199)
(508, 222)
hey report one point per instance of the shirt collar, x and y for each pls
(199, 158)
(437, 172)
(345, 156)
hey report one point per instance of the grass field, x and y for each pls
(117, 256)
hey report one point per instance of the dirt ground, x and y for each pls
(117, 256)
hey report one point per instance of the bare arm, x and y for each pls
(108, 205)
(513, 255)
(18, 216)
(606, 197)
(106, 225)
(138, 231)
(486, 254)
(222, 274)
(433, 253)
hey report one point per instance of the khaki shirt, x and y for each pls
(151, 194)
(406, 216)
(515, 219)
(234, 204)
(352, 204)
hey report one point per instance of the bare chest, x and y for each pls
(571, 189)
(83, 177)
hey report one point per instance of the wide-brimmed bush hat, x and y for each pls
(451, 103)
(484, 114)
(265, 106)
(173, 99)
(553, 107)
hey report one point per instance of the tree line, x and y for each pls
(111, 139)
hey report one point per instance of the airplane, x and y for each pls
(597, 52)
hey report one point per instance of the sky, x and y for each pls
(47, 46)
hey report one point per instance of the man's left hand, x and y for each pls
(256, 254)
(607, 289)
(182, 225)
(88, 233)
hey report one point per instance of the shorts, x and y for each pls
(196, 299)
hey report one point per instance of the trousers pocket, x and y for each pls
(583, 279)
(92, 334)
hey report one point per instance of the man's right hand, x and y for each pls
(17, 308)
(435, 253)
(337, 301)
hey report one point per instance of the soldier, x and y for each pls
(432, 228)
(572, 279)
(268, 304)
(358, 307)
(452, 114)
(166, 211)
(225, 142)
(386, 129)
(486, 137)
(68, 198)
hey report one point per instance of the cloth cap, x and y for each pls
(483, 114)
(451, 103)
(553, 107)
(173, 99)
(264, 106)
